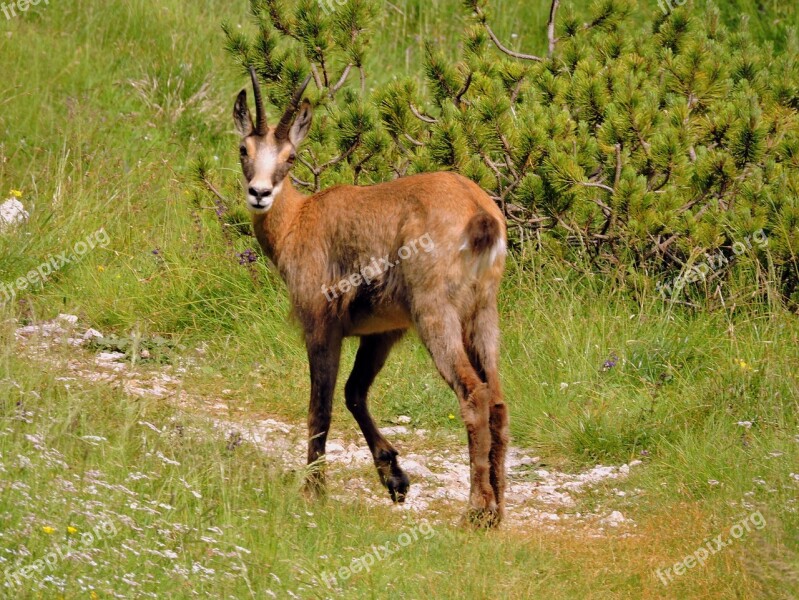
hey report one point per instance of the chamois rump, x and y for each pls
(448, 294)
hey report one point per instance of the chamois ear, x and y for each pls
(301, 124)
(241, 115)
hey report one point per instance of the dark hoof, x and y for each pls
(314, 487)
(483, 518)
(394, 478)
(398, 485)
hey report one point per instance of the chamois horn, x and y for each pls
(260, 114)
(282, 129)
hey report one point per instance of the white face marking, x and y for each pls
(264, 168)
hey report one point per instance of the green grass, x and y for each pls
(103, 110)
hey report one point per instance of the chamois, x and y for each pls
(326, 247)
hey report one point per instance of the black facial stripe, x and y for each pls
(281, 172)
(247, 167)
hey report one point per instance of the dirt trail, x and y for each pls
(537, 498)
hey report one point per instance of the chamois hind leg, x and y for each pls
(481, 338)
(371, 357)
(442, 334)
(324, 352)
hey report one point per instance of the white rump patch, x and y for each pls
(480, 263)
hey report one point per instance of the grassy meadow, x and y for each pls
(105, 106)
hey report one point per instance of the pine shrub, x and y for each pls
(659, 149)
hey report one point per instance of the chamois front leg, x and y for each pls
(324, 352)
(371, 357)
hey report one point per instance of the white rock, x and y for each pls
(71, 319)
(92, 334)
(397, 430)
(361, 455)
(414, 468)
(404, 419)
(110, 356)
(334, 448)
(614, 519)
(12, 212)
(27, 330)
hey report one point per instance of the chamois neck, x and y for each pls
(273, 227)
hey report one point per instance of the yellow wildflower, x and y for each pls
(100, 268)
(450, 416)
(744, 365)
(71, 529)
(48, 530)
(16, 193)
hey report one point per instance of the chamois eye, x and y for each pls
(243, 151)
(292, 157)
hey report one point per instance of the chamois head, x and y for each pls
(268, 153)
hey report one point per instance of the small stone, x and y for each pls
(403, 419)
(334, 448)
(614, 519)
(398, 430)
(12, 212)
(417, 469)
